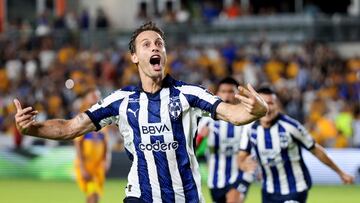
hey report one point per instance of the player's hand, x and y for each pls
(24, 118)
(254, 104)
(249, 164)
(346, 178)
(85, 175)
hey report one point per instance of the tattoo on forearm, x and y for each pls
(59, 129)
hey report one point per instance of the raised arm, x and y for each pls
(251, 107)
(55, 129)
(320, 153)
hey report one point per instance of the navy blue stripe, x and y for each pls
(247, 148)
(216, 135)
(104, 112)
(276, 181)
(144, 181)
(228, 164)
(131, 157)
(287, 163)
(161, 162)
(213, 109)
(182, 157)
(154, 103)
(195, 101)
(216, 149)
(164, 176)
(230, 130)
(254, 136)
(261, 166)
(305, 170)
(248, 144)
(290, 121)
(254, 131)
(93, 120)
(216, 170)
(268, 141)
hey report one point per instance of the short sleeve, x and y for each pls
(299, 132)
(303, 136)
(200, 98)
(105, 112)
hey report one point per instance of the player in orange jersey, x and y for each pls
(91, 159)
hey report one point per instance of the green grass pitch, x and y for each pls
(40, 191)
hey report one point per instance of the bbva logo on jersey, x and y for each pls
(175, 108)
(154, 129)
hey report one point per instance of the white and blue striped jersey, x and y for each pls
(223, 145)
(278, 150)
(159, 131)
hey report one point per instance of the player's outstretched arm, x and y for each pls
(251, 107)
(56, 129)
(320, 153)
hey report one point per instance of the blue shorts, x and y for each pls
(299, 197)
(218, 195)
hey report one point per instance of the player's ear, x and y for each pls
(134, 58)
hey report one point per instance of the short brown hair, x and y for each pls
(145, 27)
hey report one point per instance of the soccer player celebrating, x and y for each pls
(277, 140)
(158, 120)
(92, 158)
(226, 182)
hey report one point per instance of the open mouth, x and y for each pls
(155, 60)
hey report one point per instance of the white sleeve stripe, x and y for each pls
(117, 95)
(198, 92)
(303, 136)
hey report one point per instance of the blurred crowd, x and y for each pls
(315, 84)
(208, 10)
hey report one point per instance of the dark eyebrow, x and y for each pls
(143, 40)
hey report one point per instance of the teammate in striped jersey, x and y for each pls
(158, 120)
(277, 140)
(226, 182)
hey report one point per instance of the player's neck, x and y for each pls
(151, 85)
(266, 124)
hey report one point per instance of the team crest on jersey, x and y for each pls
(175, 108)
